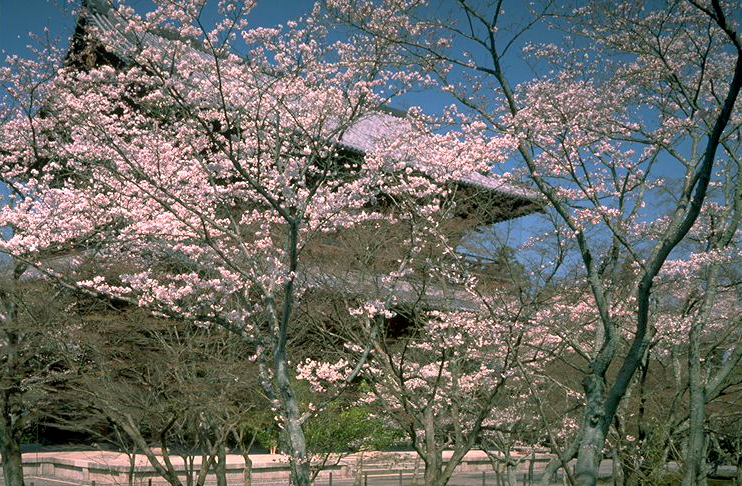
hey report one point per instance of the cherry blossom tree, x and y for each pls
(440, 385)
(701, 316)
(654, 85)
(452, 373)
(199, 182)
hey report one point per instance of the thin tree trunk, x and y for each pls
(512, 477)
(294, 433)
(298, 459)
(694, 463)
(247, 471)
(188, 467)
(128, 425)
(221, 466)
(359, 470)
(239, 437)
(132, 468)
(433, 471)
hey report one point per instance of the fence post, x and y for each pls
(484, 482)
(330, 478)
(365, 479)
(530, 468)
(400, 477)
(149, 482)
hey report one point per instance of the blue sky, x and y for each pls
(20, 17)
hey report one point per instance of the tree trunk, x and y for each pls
(590, 451)
(129, 426)
(511, 474)
(247, 471)
(132, 468)
(359, 471)
(188, 467)
(695, 455)
(10, 435)
(694, 470)
(293, 431)
(294, 435)
(433, 455)
(589, 456)
(221, 466)
(433, 471)
(10, 447)
(434, 477)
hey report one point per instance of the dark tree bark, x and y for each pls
(10, 448)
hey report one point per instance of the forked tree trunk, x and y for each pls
(188, 467)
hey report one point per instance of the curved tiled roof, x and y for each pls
(365, 135)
